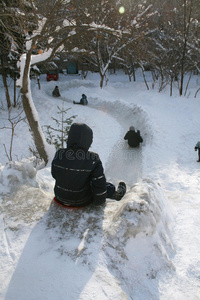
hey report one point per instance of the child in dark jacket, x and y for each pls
(79, 174)
(197, 147)
(134, 138)
(56, 92)
(83, 100)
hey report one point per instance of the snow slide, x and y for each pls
(120, 251)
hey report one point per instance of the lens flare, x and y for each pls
(121, 10)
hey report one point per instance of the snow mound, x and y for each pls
(24, 199)
(127, 243)
(26, 205)
(141, 211)
(16, 173)
(143, 214)
(138, 245)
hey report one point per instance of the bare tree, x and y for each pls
(173, 46)
(52, 28)
(11, 42)
(113, 33)
(189, 10)
(46, 37)
(14, 121)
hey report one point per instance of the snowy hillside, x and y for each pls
(145, 247)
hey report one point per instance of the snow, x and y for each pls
(41, 57)
(147, 245)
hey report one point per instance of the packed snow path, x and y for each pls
(124, 163)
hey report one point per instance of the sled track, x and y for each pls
(124, 163)
(82, 241)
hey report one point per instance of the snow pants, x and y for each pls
(110, 189)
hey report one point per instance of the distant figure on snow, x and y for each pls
(197, 147)
(134, 138)
(83, 100)
(56, 92)
(79, 174)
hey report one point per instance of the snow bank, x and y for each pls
(16, 173)
(26, 194)
(138, 244)
(142, 209)
(124, 245)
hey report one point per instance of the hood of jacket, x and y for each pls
(80, 136)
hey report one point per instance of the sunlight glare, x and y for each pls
(121, 10)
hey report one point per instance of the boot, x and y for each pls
(120, 192)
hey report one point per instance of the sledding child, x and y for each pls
(197, 147)
(79, 174)
(83, 100)
(56, 92)
(134, 138)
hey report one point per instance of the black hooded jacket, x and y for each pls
(134, 138)
(79, 173)
(56, 92)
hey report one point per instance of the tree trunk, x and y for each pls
(4, 77)
(188, 83)
(15, 94)
(128, 69)
(35, 128)
(171, 85)
(134, 77)
(31, 112)
(196, 93)
(102, 80)
(187, 22)
(38, 82)
(181, 80)
(143, 74)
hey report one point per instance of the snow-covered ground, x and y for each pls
(145, 247)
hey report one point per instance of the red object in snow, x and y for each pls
(71, 207)
(52, 75)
